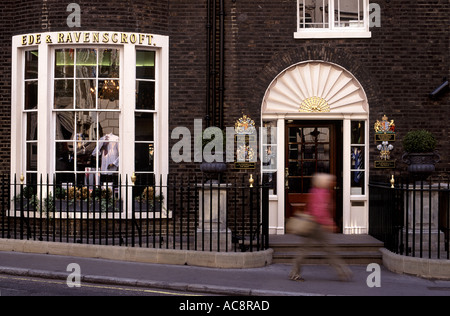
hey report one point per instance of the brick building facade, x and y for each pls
(394, 67)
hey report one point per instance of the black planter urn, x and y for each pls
(421, 164)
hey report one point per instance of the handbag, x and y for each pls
(301, 224)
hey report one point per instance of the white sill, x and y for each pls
(332, 34)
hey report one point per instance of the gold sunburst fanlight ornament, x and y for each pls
(314, 105)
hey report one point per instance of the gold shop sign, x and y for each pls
(88, 38)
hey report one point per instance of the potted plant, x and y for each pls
(148, 200)
(420, 154)
(27, 199)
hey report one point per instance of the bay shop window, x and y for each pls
(89, 111)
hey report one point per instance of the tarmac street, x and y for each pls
(272, 280)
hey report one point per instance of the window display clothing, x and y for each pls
(108, 147)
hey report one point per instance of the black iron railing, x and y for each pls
(186, 213)
(412, 218)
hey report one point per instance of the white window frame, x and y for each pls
(46, 43)
(333, 31)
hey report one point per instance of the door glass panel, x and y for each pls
(309, 168)
(309, 152)
(323, 135)
(295, 151)
(295, 185)
(323, 166)
(323, 151)
(308, 135)
(294, 169)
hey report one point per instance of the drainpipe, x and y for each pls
(208, 66)
(222, 63)
(214, 59)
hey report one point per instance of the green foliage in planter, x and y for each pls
(419, 141)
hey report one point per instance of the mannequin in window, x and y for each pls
(108, 147)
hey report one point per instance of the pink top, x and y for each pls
(319, 206)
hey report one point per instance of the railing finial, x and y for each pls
(392, 182)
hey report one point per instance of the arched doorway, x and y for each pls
(321, 113)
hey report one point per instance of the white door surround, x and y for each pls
(318, 90)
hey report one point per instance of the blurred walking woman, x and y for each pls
(319, 206)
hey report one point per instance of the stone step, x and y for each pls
(320, 258)
(359, 249)
(345, 248)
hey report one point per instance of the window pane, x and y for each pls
(86, 63)
(358, 158)
(32, 156)
(145, 65)
(85, 159)
(358, 132)
(349, 13)
(64, 156)
(269, 157)
(63, 94)
(144, 157)
(269, 132)
(86, 126)
(108, 124)
(31, 95)
(145, 95)
(357, 183)
(108, 94)
(32, 180)
(85, 94)
(144, 127)
(64, 63)
(32, 126)
(313, 13)
(109, 63)
(66, 180)
(65, 125)
(107, 152)
(31, 64)
(270, 179)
